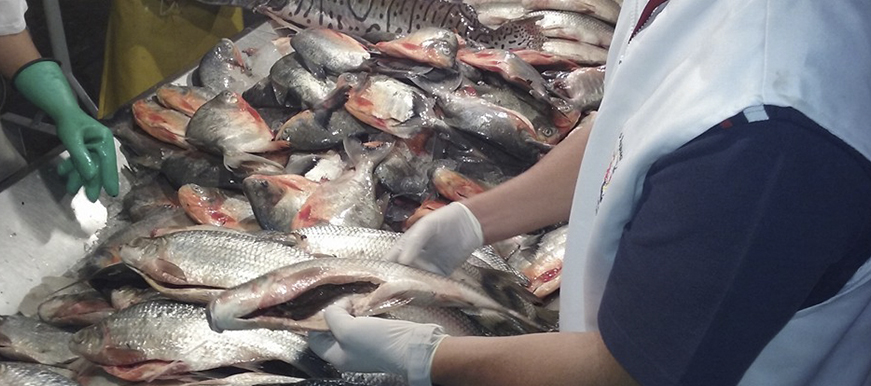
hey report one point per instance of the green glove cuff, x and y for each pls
(43, 83)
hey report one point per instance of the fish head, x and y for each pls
(147, 257)
(276, 199)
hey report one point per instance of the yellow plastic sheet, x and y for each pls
(150, 40)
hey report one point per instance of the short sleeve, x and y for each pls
(734, 233)
(12, 16)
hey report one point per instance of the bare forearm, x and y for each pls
(17, 51)
(536, 359)
(539, 197)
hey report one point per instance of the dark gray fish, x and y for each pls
(293, 85)
(503, 127)
(400, 17)
(194, 167)
(150, 193)
(305, 131)
(28, 374)
(406, 173)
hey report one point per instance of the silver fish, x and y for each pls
(579, 52)
(195, 265)
(30, 340)
(397, 285)
(606, 10)
(160, 339)
(454, 321)
(505, 128)
(28, 374)
(574, 26)
(248, 379)
(364, 243)
(350, 199)
(127, 296)
(399, 17)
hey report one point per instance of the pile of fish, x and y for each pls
(274, 187)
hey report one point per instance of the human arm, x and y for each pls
(424, 355)
(539, 197)
(92, 162)
(559, 358)
(18, 50)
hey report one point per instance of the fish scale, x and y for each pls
(179, 333)
(208, 259)
(25, 374)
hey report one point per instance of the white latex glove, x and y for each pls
(441, 241)
(374, 345)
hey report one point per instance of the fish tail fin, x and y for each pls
(519, 33)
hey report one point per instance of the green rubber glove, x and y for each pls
(92, 161)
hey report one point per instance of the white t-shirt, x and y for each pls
(696, 64)
(12, 16)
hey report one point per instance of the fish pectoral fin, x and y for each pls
(170, 269)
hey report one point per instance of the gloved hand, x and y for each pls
(440, 241)
(374, 345)
(92, 161)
